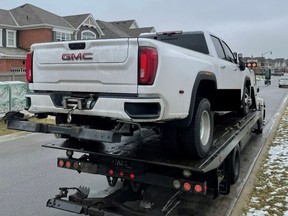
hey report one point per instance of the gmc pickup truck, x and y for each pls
(171, 82)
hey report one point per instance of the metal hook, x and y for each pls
(69, 117)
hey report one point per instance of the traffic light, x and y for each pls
(251, 64)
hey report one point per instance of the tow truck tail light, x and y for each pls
(111, 172)
(187, 186)
(148, 62)
(198, 188)
(29, 67)
(132, 176)
(68, 164)
(61, 163)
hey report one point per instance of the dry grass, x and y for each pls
(5, 131)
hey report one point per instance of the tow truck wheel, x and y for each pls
(196, 139)
(260, 122)
(260, 125)
(235, 164)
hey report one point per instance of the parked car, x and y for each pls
(277, 74)
(283, 81)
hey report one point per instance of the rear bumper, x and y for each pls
(127, 109)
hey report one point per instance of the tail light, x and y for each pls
(29, 67)
(148, 62)
(187, 186)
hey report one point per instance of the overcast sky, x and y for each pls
(252, 27)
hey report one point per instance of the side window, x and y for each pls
(218, 47)
(229, 55)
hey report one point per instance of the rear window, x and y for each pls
(195, 41)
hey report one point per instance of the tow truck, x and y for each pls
(143, 168)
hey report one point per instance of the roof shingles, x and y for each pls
(6, 18)
(76, 20)
(27, 15)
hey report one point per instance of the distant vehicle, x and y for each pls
(283, 82)
(277, 74)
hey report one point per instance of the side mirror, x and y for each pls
(267, 74)
(238, 58)
(242, 65)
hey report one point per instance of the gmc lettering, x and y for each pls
(77, 57)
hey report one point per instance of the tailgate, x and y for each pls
(108, 66)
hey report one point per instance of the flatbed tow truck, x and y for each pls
(144, 168)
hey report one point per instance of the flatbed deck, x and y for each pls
(149, 149)
(155, 171)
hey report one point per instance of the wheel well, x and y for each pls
(206, 89)
(219, 97)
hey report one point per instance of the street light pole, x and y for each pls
(266, 53)
(263, 56)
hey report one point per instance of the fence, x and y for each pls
(15, 75)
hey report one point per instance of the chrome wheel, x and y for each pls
(205, 128)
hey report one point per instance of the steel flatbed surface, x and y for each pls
(150, 149)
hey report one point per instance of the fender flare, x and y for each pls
(202, 75)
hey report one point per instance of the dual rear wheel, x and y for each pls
(196, 139)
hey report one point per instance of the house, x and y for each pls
(28, 24)
(125, 28)
(85, 27)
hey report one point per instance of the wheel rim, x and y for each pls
(247, 100)
(205, 128)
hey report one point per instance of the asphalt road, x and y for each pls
(29, 176)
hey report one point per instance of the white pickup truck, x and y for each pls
(172, 82)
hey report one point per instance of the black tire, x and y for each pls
(259, 129)
(235, 164)
(260, 122)
(196, 139)
(245, 107)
